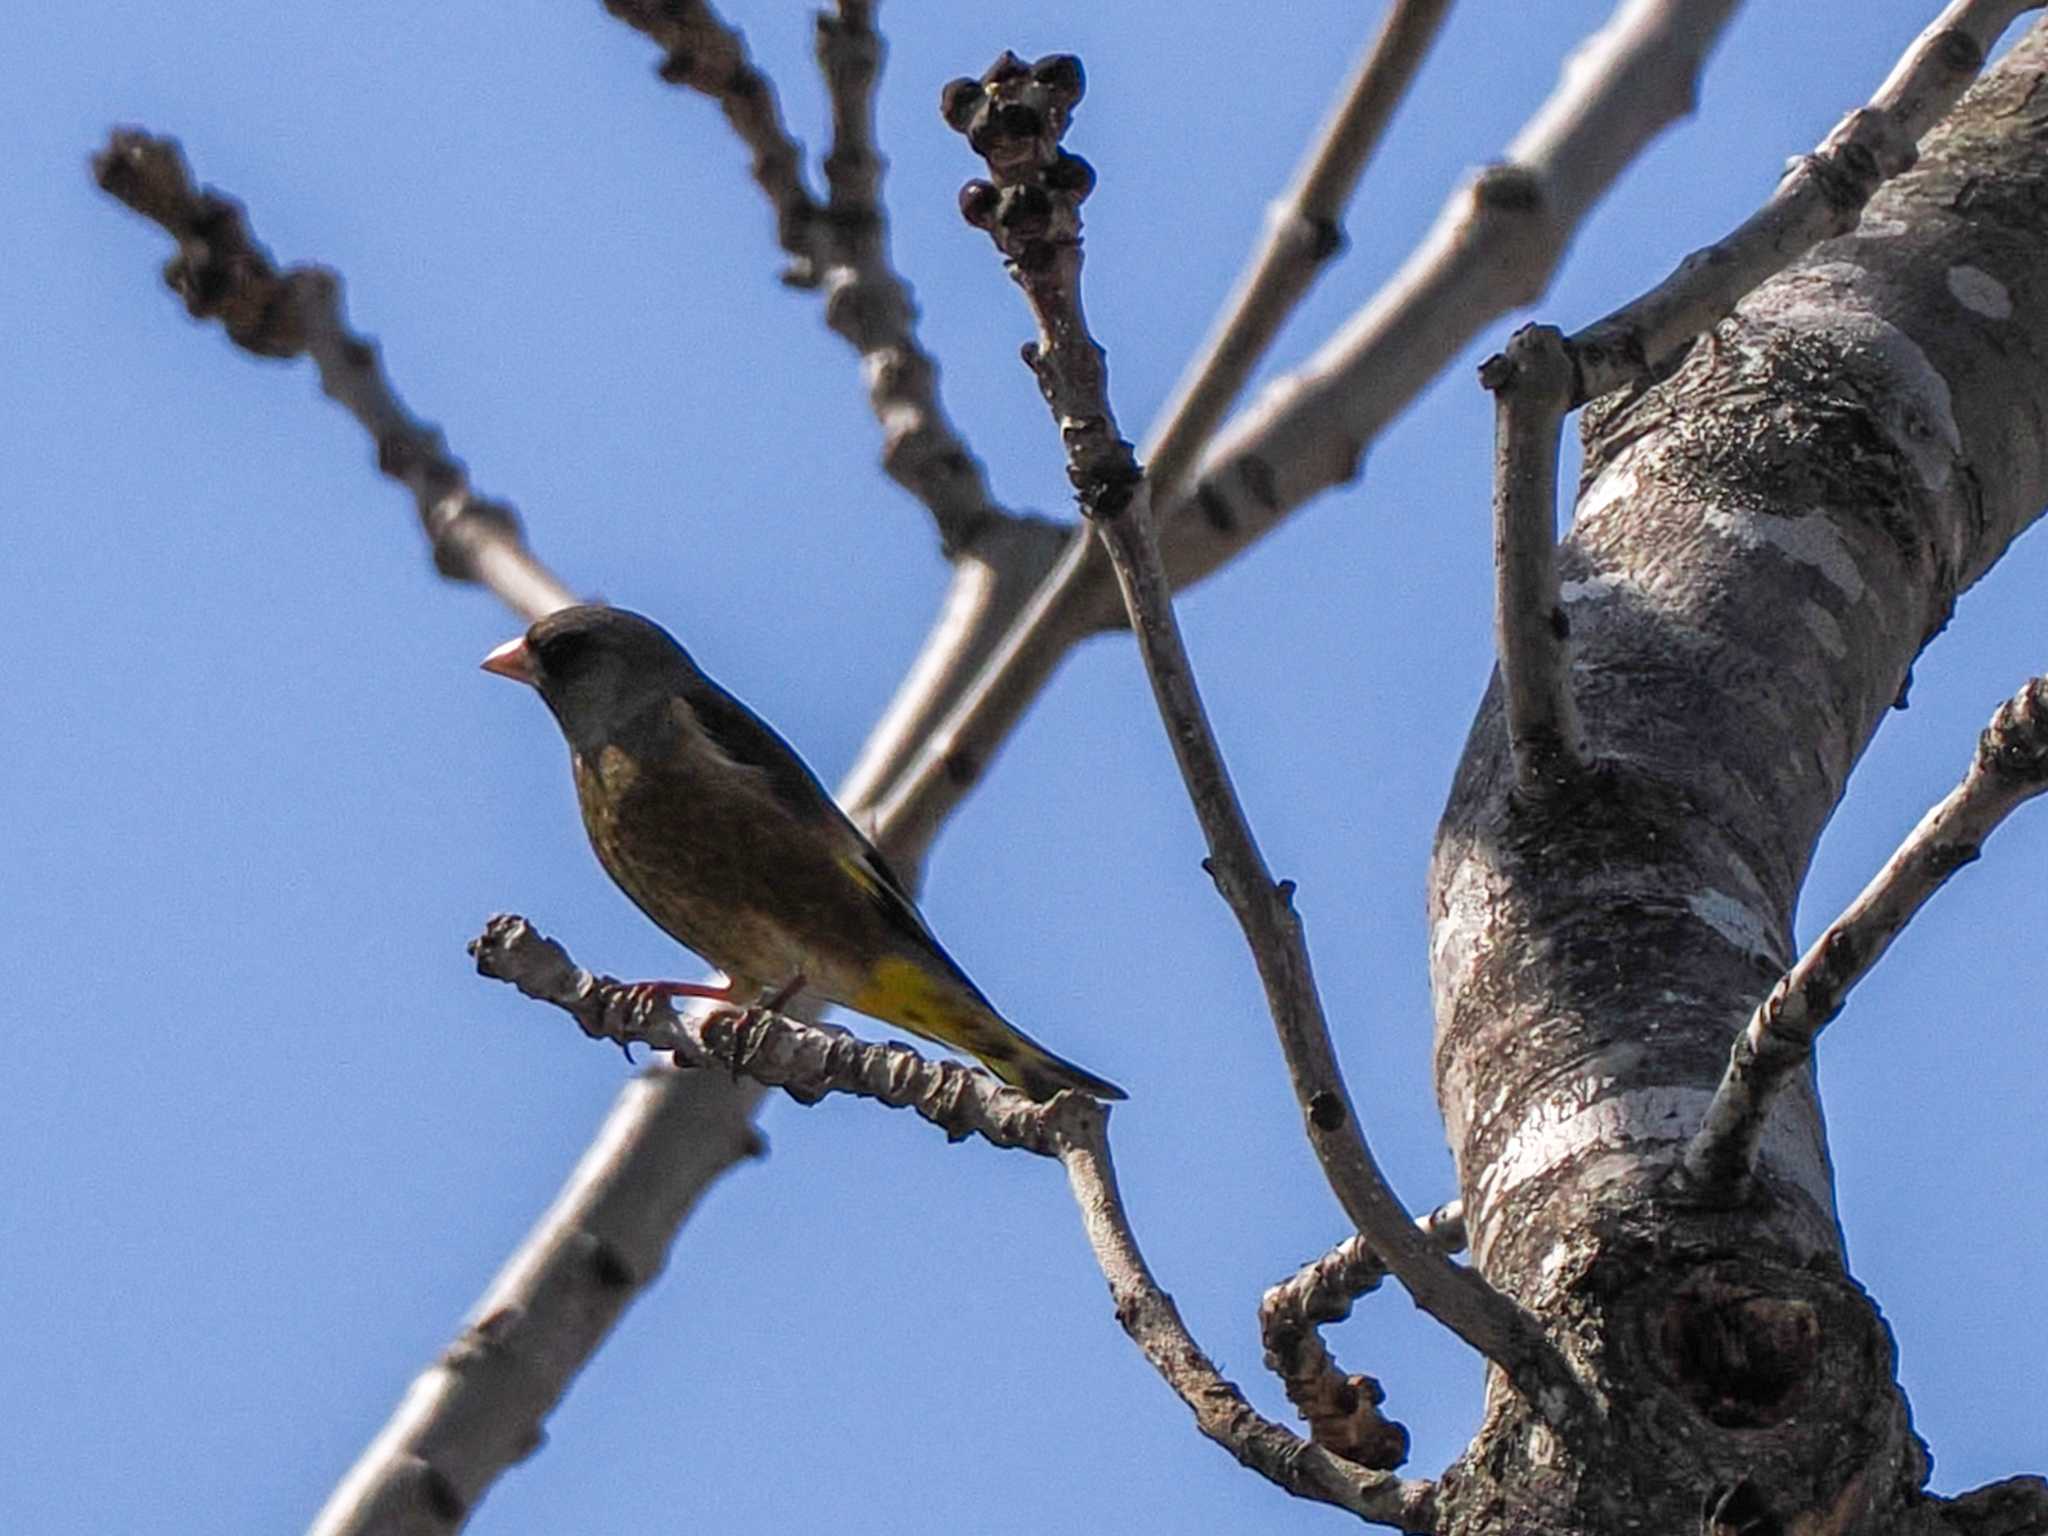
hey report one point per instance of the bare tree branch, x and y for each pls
(1493, 248)
(480, 1407)
(843, 245)
(2012, 1506)
(1154, 1324)
(1532, 387)
(2009, 768)
(1304, 233)
(710, 57)
(1014, 118)
(810, 1063)
(804, 1060)
(1342, 1410)
(1541, 375)
(222, 273)
(1823, 195)
(670, 1135)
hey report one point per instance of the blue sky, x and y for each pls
(264, 1136)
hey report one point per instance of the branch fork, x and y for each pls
(1341, 1409)
(2009, 768)
(1014, 116)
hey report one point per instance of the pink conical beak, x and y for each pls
(513, 659)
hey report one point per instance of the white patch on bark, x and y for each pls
(1616, 482)
(1467, 908)
(1737, 922)
(1634, 1133)
(1978, 290)
(1824, 627)
(1591, 590)
(1812, 540)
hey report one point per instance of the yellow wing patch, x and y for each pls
(858, 872)
(901, 991)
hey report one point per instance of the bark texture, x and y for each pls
(1764, 541)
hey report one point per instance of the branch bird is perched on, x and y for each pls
(714, 827)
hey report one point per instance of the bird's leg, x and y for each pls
(643, 994)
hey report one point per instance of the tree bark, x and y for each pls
(1764, 541)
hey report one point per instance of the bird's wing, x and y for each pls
(748, 740)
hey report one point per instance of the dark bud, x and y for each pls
(609, 1265)
(1062, 77)
(1026, 211)
(443, 1500)
(1072, 175)
(1326, 1112)
(677, 68)
(958, 101)
(1006, 67)
(1510, 188)
(978, 200)
(1960, 51)
(1015, 120)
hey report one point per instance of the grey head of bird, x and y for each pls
(596, 667)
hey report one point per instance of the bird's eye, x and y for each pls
(560, 651)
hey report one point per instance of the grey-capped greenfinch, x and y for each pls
(716, 829)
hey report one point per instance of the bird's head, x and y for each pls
(596, 667)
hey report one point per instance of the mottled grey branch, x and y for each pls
(706, 55)
(1532, 386)
(1304, 233)
(810, 1063)
(1014, 118)
(1154, 1324)
(222, 273)
(1822, 195)
(1342, 1410)
(842, 245)
(1493, 248)
(2009, 768)
(805, 1061)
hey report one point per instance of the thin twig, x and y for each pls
(1532, 386)
(670, 1135)
(2009, 768)
(842, 245)
(1304, 233)
(224, 274)
(1822, 195)
(479, 1408)
(1342, 1410)
(1014, 118)
(1154, 1324)
(806, 1062)
(810, 1063)
(1493, 248)
(708, 56)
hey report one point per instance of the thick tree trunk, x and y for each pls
(1764, 542)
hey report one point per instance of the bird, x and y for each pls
(716, 829)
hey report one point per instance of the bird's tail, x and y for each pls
(1026, 1064)
(951, 1010)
